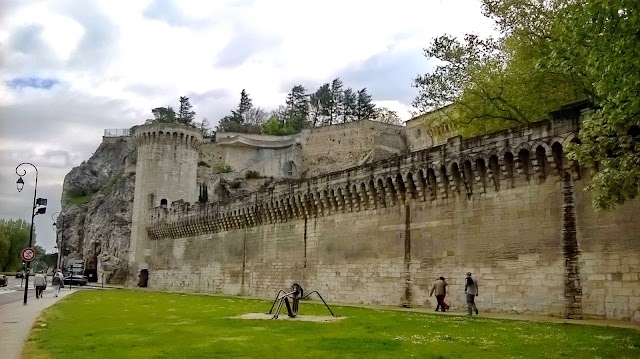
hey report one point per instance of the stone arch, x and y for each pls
(340, 200)
(163, 202)
(467, 171)
(509, 167)
(481, 168)
(392, 192)
(411, 186)
(422, 182)
(456, 176)
(525, 162)
(432, 182)
(372, 195)
(382, 193)
(558, 157)
(541, 162)
(494, 167)
(355, 198)
(444, 178)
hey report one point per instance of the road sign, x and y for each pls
(28, 254)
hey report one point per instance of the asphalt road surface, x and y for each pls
(14, 292)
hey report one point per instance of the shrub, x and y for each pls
(203, 164)
(252, 174)
(235, 184)
(223, 168)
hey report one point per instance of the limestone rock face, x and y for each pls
(97, 202)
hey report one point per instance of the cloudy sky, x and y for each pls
(70, 69)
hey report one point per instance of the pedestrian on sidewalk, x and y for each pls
(471, 291)
(440, 288)
(56, 282)
(39, 281)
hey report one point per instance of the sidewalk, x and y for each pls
(17, 319)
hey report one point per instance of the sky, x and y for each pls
(71, 69)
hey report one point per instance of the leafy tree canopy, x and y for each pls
(14, 236)
(550, 52)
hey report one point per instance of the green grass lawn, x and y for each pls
(136, 324)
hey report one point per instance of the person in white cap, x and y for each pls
(471, 291)
(56, 282)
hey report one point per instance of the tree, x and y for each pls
(297, 108)
(320, 106)
(365, 109)
(550, 53)
(244, 106)
(385, 115)
(350, 105)
(186, 115)
(235, 121)
(203, 126)
(14, 236)
(336, 103)
(164, 114)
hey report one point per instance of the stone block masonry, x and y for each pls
(508, 207)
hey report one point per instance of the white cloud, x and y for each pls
(115, 60)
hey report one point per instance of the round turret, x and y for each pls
(166, 171)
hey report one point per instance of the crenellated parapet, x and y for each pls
(459, 169)
(167, 134)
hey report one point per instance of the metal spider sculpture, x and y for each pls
(295, 294)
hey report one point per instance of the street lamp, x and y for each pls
(38, 208)
(60, 244)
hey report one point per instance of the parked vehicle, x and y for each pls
(3, 280)
(75, 279)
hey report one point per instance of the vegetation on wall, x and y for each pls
(223, 168)
(251, 174)
(549, 53)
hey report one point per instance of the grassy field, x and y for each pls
(136, 324)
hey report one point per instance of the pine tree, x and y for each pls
(164, 114)
(186, 115)
(320, 106)
(337, 101)
(243, 107)
(297, 108)
(350, 105)
(365, 109)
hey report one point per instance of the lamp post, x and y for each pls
(60, 244)
(38, 208)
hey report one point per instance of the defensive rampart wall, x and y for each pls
(508, 207)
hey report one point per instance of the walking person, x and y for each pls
(471, 291)
(440, 288)
(39, 281)
(56, 282)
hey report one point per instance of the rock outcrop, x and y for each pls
(97, 201)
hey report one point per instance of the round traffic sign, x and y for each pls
(28, 254)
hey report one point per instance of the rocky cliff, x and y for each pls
(97, 200)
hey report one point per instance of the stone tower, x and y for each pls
(166, 171)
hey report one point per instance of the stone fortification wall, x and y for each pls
(333, 148)
(508, 207)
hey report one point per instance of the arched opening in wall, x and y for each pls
(401, 187)
(525, 163)
(332, 200)
(340, 199)
(163, 202)
(363, 202)
(289, 169)
(558, 156)
(433, 183)
(355, 197)
(494, 166)
(541, 159)
(392, 192)
(481, 167)
(422, 180)
(411, 186)
(468, 177)
(457, 178)
(508, 163)
(444, 178)
(382, 193)
(372, 194)
(324, 200)
(347, 197)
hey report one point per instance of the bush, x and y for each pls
(203, 164)
(223, 168)
(235, 184)
(252, 174)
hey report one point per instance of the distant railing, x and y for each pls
(118, 132)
